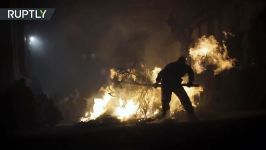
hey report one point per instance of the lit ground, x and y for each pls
(242, 132)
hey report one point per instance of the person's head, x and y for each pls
(182, 59)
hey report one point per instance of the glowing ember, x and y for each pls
(208, 51)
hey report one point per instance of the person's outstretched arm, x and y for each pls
(159, 77)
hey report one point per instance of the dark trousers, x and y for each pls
(181, 94)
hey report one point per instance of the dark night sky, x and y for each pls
(85, 38)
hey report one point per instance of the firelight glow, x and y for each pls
(134, 102)
(208, 51)
(128, 101)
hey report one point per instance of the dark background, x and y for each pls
(43, 88)
(84, 39)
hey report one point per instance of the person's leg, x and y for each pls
(185, 101)
(166, 98)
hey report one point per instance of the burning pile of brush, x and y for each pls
(124, 100)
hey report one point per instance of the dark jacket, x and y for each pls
(172, 74)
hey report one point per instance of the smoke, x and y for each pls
(85, 39)
(139, 36)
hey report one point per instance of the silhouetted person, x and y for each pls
(171, 77)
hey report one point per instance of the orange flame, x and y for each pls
(208, 51)
(136, 102)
